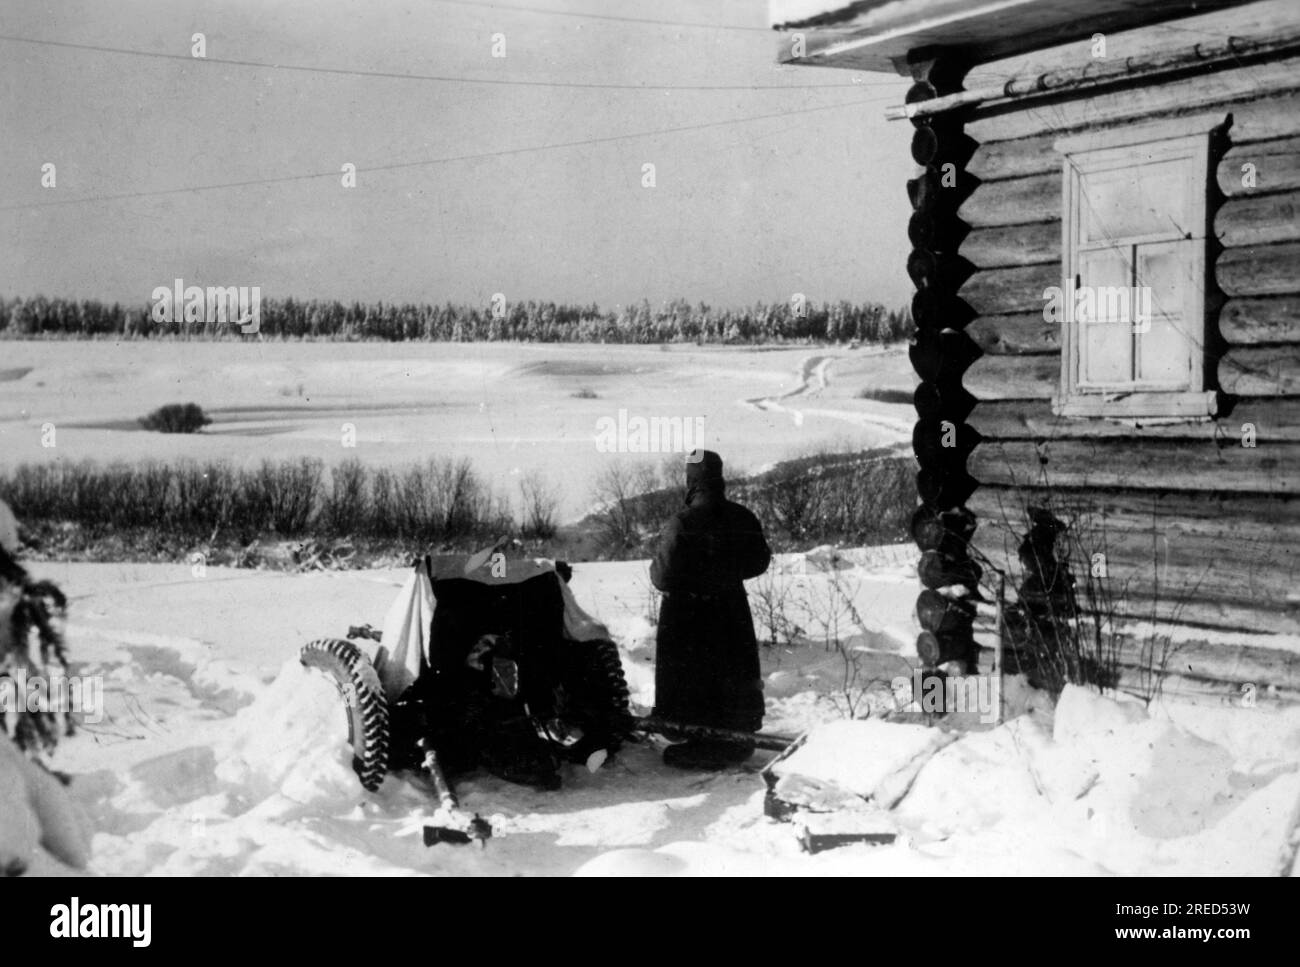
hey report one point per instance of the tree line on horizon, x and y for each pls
(530, 321)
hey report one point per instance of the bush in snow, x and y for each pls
(176, 418)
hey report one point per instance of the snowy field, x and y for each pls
(513, 409)
(221, 755)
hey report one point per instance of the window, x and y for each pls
(1133, 289)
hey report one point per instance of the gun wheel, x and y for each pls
(364, 701)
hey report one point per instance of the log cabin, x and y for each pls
(1106, 256)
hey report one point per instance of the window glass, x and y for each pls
(1105, 335)
(1137, 200)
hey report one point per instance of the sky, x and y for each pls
(533, 186)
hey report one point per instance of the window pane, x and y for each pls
(1149, 199)
(1105, 334)
(1164, 353)
(1163, 274)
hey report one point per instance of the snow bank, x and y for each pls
(225, 757)
(291, 741)
(42, 832)
(871, 759)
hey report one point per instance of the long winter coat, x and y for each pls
(706, 665)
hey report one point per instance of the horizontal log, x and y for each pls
(943, 615)
(1259, 270)
(1258, 220)
(1012, 245)
(943, 443)
(934, 311)
(1266, 693)
(1216, 675)
(1275, 166)
(1256, 115)
(1256, 135)
(931, 191)
(942, 357)
(1263, 132)
(1013, 377)
(1192, 663)
(1156, 464)
(1274, 419)
(1000, 292)
(1026, 334)
(1274, 319)
(999, 160)
(944, 489)
(942, 233)
(1016, 201)
(1261, 370)
(944, 273)
(1200, 512)
(1233, 573)
(941, 144)
(934, 401)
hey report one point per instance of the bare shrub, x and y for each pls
(539, 507)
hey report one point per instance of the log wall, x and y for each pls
(1199, 522)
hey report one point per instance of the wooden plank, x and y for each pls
(1155, 464)
(1261, 370)
(1263, 133)
(1026, 334)
(999, 292)
(1013, 377)
(1252, 22)
(1014, 245)
(1248, 86)
(1201, 660)
(1195, 512)
(1275, 163)
(1274, 419)
(1259, 270)
(1259, 220)
(1234, 571)
(1016, 201)
(999, 160)
(1246, 322)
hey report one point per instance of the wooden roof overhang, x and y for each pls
(887, 35)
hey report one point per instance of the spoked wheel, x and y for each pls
(363, 697)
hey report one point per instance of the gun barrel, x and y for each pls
(663, 726)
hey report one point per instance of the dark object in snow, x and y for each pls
(176, 418)
(502, 686)
(818, 842)
(707, 754)
(706, 659)
(685, 730)
(33, 665)
(433, 835)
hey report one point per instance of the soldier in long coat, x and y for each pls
(706, 665)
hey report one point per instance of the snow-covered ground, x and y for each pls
(512, 409)
(220, 754)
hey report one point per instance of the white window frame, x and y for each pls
(1186, 138)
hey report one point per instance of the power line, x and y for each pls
(283, 179)
(519, 8)
(441, 78)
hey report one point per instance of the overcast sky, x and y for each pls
(812, 201)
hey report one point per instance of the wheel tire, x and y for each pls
(366, 705)
(599, 681)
